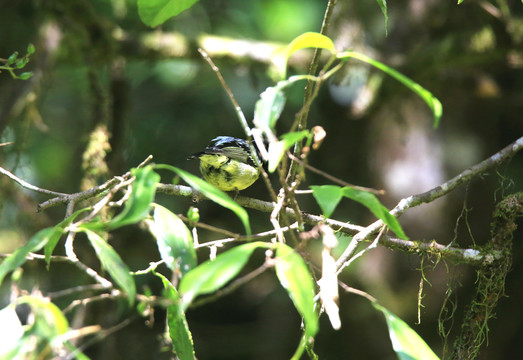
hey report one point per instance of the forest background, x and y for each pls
(96, 63)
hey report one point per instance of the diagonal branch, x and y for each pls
(431, 195)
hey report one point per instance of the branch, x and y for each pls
(28, 186)
(432, 195)
(460, 179)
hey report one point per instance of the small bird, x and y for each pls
(227, 164)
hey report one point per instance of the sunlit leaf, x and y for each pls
(269, 107)
(307, 40)
(112, 262)
(213, 274)
(174, 240)
(18, 257)
(407, 344)
(295, 277)
(431, 100)
(178, 328)
(277, 149)
(58, 230)
(49, 320)
(11, 331)
(374, 205)
(142, 195)
(328, 197)
(156, 12)
(211, 192)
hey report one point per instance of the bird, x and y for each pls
(227, 163)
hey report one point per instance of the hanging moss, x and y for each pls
(490, 284)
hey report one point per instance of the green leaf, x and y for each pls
(297, 280)
(213, 274)
(174, 240)
(49, 321)
(156, 12)
(18, 257)
(12, 58)
(307, 40)
(277, 149)
(142, 195)
(193, 214)
(407, 344)
(21, 62)
(373, 204)
(58, 230)
(26, 75)
(211, 192)
(268, 108)
(328, 197)
(431, 100)
(112, 262)
(383, 7)
(30, 49)
(178, 328)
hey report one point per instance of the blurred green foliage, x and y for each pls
(91, 67)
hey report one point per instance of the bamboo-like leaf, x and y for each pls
(431, 100)
(18, 257)
(112, 262)
(174, 240)
(406, 342)
(212, 193)
(374, 205)
(383, 6)
(48, 317)
(213, 274)
(156, 12)
(277, 149)
(58, 230)
(178, 328)
(295, 277)
(307, 40)
(269, 107)
(142, 195)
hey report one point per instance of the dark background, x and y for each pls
(379, 134)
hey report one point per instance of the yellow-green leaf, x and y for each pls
(142, 195)
(213, 274)
(178, 328)
(112, 262)
(212, 193)
(295, 277)
(328, 197)
(431, 100)
(18, 257)
(156, 12)
(307, 40)
(174, 240)
(407, 344)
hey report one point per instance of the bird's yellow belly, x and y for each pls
(228, 175)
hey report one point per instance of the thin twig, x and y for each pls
(28, 186)
(233, 286)
(333, 178)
